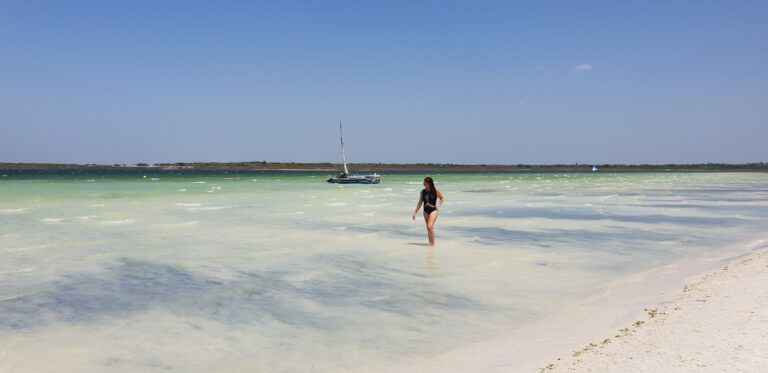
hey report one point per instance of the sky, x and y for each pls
(470, 82)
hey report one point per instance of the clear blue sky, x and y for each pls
(414, 81)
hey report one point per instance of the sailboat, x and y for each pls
(344, 177)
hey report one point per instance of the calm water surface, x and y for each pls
(284, 272)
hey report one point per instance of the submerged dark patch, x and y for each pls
(130, 287)
(619, 237)
(575, 214)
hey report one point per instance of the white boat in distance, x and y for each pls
(344, 177)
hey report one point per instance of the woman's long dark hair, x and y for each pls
(431, 183)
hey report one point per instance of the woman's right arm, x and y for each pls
(418, 206)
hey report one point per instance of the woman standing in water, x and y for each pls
(429, 196)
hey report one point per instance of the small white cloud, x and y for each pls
(582, 68)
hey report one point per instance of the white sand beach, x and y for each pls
(684, 317)
(718, 323)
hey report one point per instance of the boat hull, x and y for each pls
(355, 180)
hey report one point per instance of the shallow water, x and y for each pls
(281, 271)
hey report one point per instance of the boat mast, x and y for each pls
(343, 156)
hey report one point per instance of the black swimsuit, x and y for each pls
(430, 200)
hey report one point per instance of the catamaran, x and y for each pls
(344, 177)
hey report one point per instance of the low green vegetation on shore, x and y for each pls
(262, 165)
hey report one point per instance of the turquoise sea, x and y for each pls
(159, 270)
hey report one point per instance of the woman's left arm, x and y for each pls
(441, 198)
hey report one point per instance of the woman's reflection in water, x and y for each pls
(431, 267)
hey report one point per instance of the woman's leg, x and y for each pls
(431, 227)
(426, 222)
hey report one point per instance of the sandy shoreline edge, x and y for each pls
(635, 321)
(719, 322)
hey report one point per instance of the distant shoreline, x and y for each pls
(382, 167)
